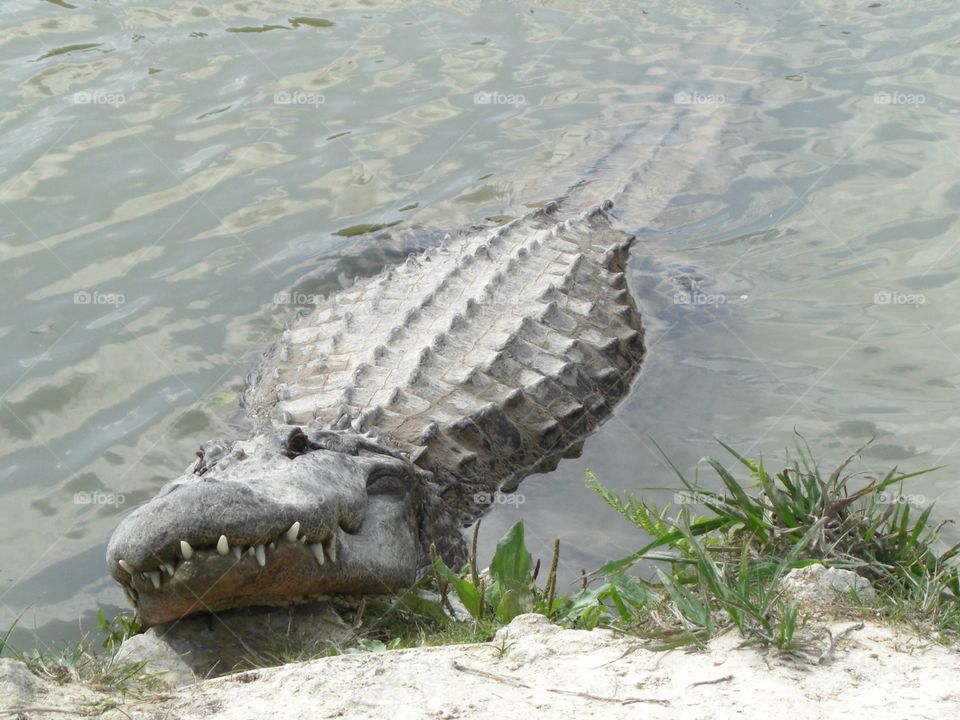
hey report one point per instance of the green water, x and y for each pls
(167, 168)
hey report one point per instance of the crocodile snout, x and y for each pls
(266, 526)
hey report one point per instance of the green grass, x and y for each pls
(414, 618)
(697, 575)
(725, 567)
(90, 660)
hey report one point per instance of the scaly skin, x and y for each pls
(388, 416)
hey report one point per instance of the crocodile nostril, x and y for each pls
(297, 443)
(387, 484)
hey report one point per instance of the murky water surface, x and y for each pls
(166, 169)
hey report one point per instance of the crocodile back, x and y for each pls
(488, 357)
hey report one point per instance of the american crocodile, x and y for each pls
(389, 416)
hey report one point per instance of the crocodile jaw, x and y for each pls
(381, 558)
(263, 528)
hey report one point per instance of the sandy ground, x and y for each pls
(536, 669)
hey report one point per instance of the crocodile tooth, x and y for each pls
(273, 546)
(237, 553)
(261, 555)
(154, 576)
(293, 532)
(251, 551)
(168, 568)
(317, 549)
(223, 547)
(127, 567)
(186, 550)
(331, 548)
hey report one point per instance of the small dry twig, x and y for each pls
(725, 678)
(827, 655)
(18, 711)
(507, 680)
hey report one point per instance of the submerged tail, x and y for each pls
(654, 160)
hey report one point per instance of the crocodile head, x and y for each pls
(280, 518)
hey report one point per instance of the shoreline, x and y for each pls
(533, 667)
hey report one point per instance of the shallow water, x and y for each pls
(165, 172)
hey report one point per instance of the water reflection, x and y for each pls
(196, 161)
